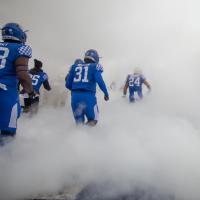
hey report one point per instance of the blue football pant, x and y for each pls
(132, 97)
(83, 105)
(9, 109)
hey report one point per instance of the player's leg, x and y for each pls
(6, 136)
(21, 99)
(92, 111)
(132, 99)
(78, 107)
(10, 111)
(78, 114)
(140, 95)
(131, 96)
(35, 105)
(27, 105)
(91, 122)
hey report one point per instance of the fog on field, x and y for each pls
(153, 143)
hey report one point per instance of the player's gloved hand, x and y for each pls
(32, 96)
(106, 98)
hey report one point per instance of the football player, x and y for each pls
(14, 57)
(134, 82)
(39, 78)
(82, 80)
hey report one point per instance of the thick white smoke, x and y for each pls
(154, 142)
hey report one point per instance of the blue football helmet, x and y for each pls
(78, 61)
(13, 31)
(92, 55)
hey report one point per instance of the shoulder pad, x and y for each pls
(25, 50)
(45, 76)
(99, 67)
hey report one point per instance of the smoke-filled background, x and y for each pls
(154, 143)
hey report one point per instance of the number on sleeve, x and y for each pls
(3, 57)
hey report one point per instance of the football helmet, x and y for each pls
(13, 31)
(78, 61)
(92, 55)
(38, 63)
(137, 70)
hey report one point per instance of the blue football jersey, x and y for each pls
(135, 82)
(9, 52)
(83, 77)
(38, 79)
(9, 98)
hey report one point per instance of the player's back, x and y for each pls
(38, 78)
(83, 77)
(9, 52)
(135, 81)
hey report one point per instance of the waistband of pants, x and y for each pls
(83, 91)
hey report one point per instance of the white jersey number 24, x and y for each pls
(134, 81)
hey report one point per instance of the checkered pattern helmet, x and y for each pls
(13, 31)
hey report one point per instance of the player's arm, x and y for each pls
(66, 77)
(102, 85)
(68, 73)
(147, 84)
(69, 80)
(21, 65)
(125, 87)
(45, 83)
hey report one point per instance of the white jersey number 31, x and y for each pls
(81, 74)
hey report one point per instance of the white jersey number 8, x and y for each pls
(3, 57)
